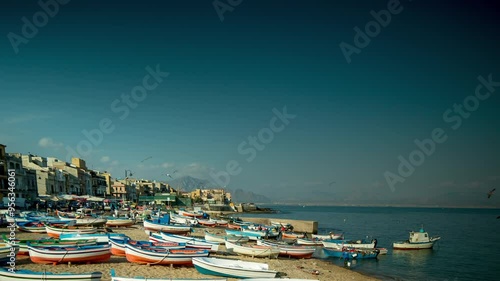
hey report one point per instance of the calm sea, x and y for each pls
(469, 248)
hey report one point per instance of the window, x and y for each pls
(11, 165)
(18, 167)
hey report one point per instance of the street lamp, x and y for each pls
(126, 178)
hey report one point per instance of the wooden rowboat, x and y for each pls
(161, 256)
(28, 275)
(55, 255)
(55, 232)
(223, 238)
(253, 250)
(149, 225)
(233, 226)
(299, 252)
(32, 226)
(233, 268)
(191, 242)
(291, 235)
(119, 222)
(118, 247)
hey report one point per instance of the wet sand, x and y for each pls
(287, 268)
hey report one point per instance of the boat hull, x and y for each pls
(233, 268)
(55, 232)
(339, 244)
(222, 239)
(253, 251)
(191, 242)
(299, 252)
(120, 223)
(119, 247)
(28, 275)
(412, 246)
(66, 255)
(174, 257)
(356, 254)
(174, 229)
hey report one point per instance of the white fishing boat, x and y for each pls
(220, 222)
(119, 222)
(57, 231)
(252, 235)
(191, 242)
(28, 275)
(299, 252)
(160, 256)
(150, 225)
(330, 235)
(183, 219)
(99, 237)
(233, 268)
(116, 278)
(85, 220)
(308, 242)
(223, 238)
(339, 244)
(417, 241)
(253, 250)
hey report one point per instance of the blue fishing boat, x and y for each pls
(351, 253)
(360, 244)
(100, 237)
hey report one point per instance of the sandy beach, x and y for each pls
(287, 268)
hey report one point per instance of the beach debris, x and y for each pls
(311, 271)
(491, 192)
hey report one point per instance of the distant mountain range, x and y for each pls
(188, 183)
(441, 198)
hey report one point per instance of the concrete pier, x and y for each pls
(298, 225)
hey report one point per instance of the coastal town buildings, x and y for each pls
(119, 190)
(26, 187)
(49, 177)
(3, 173)
(210, 196)
(99, 184)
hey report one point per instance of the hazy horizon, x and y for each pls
(292, 100)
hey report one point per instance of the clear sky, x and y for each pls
(352, 120)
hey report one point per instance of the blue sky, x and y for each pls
(352, 119)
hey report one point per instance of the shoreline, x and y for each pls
(288, 268)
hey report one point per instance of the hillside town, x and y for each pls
(45, 181)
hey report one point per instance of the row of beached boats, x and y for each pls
(37, 224)
(169, 244)
(202, 264)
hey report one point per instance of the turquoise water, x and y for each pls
(469, 248)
